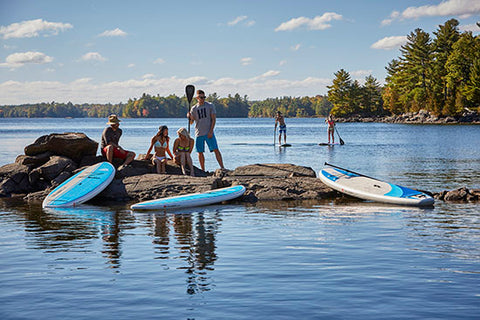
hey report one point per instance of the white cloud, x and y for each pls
(19, 59)
(237, 20)
(317, 23)
(113, 33)
(282, 62)
(246, 61)
(32, 28)
(131, 65)
(296, 47)
(148, 76)
(360, 73)
(93, 56)
(85, 90)
(389, 43)
(159, 61)
(461, 8)
(474, 28)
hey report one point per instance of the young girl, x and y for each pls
(182, 148)
(160, 143)
(330, 128)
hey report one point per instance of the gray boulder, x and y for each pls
(14, 180)
(73, 145)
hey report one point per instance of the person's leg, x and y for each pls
(109, 153)
(218, 155)
(129, 158)
(157, 164)
(190, 164)
(201, 159)
(163, 166)
(285, 136)
(182, 162)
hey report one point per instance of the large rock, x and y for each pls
(14, 179)
(270, 182)
(274, 170)
(73, 145)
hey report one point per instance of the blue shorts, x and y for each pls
(283, 129)
(200, 143)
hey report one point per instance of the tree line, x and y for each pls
(439, 73)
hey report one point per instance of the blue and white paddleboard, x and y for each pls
(363, 187)
(192, 200)
(81, 187)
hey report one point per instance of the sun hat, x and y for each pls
(184, 132)
(113, 119)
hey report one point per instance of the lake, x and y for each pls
(270, 260)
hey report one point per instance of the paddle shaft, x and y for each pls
(341, 140)
(189, 92)
(334, 166)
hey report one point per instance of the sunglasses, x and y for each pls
(201, 97)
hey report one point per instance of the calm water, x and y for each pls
(272, 260)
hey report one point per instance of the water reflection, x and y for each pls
(72, 230)
(189, 236)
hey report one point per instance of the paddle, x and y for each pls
(334, 166)
(189, 91)
(274, 136)
(341, 141)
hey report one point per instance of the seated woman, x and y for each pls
(182, 148)
(160, 143)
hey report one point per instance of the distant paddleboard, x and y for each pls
(192, 200)
(81, 187)
(363, 187)
(285, 145)
(328, 144)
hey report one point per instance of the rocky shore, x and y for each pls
(52, 159)
(420, 117)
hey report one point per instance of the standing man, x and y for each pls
(280, 120)
(110, 147)
(204, 116)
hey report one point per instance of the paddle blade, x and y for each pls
(189, 91)
(342, 142)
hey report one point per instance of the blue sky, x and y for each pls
(109, 51)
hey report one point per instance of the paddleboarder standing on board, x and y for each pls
(204, 116)
(280, 120)
(110, 148)
(330, 128)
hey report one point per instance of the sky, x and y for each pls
(85, 51)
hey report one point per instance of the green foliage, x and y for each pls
(350, 98)
(291, 107)
(440, 75)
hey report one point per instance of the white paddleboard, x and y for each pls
(81, 187)
(367, 188)
(192, 199)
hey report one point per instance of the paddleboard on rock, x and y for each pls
(82, 187)
(192, 199)
(367, 188)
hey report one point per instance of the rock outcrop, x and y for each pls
(35, 174)
(420, 117)
(72, 145)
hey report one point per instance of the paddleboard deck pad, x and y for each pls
(192, 199)
(367, 188)
(81, 187)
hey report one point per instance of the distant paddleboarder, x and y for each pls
(330, 128)
(280, 120)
